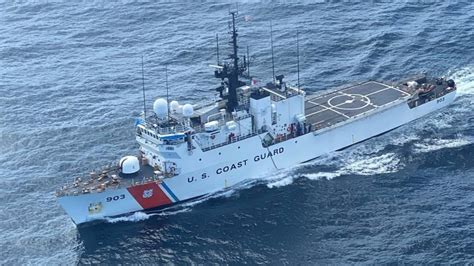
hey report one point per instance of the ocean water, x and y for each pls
(70, 87)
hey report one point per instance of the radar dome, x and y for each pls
(188, 110)
(129, 165)
(174, 106)
(160, 107)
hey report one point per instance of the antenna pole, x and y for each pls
(143, 89)
(271, 42)
(217, 47)
(248, 63)
(234, 44)
(167, 95)
(298, 56)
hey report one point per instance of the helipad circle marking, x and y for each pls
(366, 100)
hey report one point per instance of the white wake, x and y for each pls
(438, 144)
(464, 79)
(135, 217)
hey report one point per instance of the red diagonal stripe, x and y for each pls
(149, 195)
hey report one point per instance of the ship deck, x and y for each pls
(109, 177)
(328, 109)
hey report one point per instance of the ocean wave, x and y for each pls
(135, 217)
(382, 164)
(141, 216)
(346, 164)
(323, 175)
(288, 180)
(438, 144)
(464, 79)
(172, 212)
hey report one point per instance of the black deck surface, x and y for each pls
(328, 109)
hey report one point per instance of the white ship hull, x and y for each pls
(228, 165)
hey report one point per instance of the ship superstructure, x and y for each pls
(186, 151)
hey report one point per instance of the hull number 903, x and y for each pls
(114, 198)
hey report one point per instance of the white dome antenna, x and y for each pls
(160, 107)
(188, 110)
(174, 106)
(129, 165)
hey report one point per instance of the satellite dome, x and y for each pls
(180, 109)
(188, 110)
(160, 107)
(129, 165)
(174, 106)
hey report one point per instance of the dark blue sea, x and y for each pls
(70, 89)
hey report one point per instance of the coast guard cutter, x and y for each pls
(187, 151)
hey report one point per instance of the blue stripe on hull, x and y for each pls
(169, 191)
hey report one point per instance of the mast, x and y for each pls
(143, 89)
(234, 44)
(229, 72)
(248, 63)
(271, 43)
(234, 78)
(217, 47)
(167, 94)
(298, 56)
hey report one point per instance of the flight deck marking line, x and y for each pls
(329, 125)
(353, 97)
(362, 100)
(317, 112)
(386, 87)
(320, 111)
(375, 92)
(328, 108)
(391, 87)
(404, 92)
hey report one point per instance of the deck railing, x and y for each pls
(232, 140)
